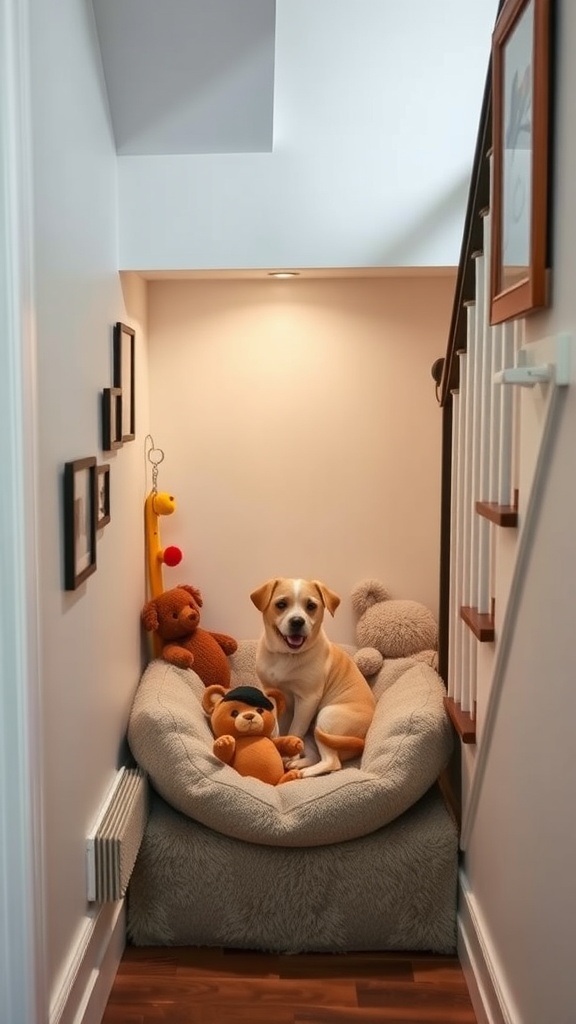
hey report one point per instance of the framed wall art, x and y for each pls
(124, 377)
(103, 496)
(111, 419)
(521, 143)
(80, 511)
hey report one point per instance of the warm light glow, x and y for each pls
(284, 273)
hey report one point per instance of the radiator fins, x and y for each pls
(113, 845)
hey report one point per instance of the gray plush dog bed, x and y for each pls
(364, 858)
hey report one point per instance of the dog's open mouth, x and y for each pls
(293, 640)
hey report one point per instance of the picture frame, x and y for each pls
(80, 510)
(521, 144)
(111, 419)
(124, 377)
(103, 495)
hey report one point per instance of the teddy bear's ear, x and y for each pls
(278, 698)
(150, 616)
(367, 593)
(330, 600)
(212, 696)
(193, 591)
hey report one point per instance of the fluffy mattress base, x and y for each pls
(393, 889)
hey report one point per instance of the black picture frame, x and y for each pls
(80, 510)
(103, 495)
(124, 377)
(111, 419)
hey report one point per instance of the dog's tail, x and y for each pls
(350, 744)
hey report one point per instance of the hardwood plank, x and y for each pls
(438, 971)
(361, 1015)
(271, 991)
(434, 1002)
(346, 965)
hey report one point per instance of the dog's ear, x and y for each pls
(330, 600)
(212, 696)
(263, 595)
(278, 699)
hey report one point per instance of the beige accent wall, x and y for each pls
(301, 435)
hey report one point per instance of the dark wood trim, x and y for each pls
(472, 239)
(462, 721)
(481, 623)
(502, 515)
(445, 528)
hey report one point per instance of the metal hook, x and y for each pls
(155, 457)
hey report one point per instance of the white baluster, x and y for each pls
(506, 420)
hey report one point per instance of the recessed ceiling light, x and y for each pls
(283, 273)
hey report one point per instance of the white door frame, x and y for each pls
(23, 995)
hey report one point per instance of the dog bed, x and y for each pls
(365, 858)
(408, 744)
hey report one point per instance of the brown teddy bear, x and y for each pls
(389, 628)
(175, 617)
(243, 720)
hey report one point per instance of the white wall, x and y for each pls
(375, 117)
(90, 639)
(301, 433)
(521, 854)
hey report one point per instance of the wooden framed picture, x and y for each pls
(80, 495)
(124, 378)
(521, 99)
(111, 419)
(103, 496)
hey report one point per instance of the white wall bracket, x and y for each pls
(526, 376)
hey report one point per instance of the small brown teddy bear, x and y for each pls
(391, 628)
(174, 616)
(243, 720)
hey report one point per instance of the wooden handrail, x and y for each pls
(472, 240)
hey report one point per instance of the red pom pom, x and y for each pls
(172, 556)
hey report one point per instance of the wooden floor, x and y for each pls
(180, 985)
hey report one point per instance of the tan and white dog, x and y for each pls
(319, 680)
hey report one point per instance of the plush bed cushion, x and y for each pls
(408, 744)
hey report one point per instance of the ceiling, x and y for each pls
(189, 76)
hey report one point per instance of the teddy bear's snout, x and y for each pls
(249, 721)
(189, 616)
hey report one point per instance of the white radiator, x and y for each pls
(113, 843)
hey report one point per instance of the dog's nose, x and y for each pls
(296, 622)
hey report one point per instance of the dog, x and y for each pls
(317, 677)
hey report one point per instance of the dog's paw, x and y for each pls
(297, 762)
(292, 746)
(290, 776)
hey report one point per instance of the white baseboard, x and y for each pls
(480, 963)
(84, 989)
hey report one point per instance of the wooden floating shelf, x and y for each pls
(502, 515)
(462, 721)
(481, 623)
